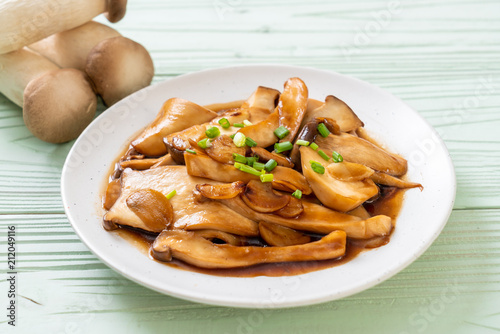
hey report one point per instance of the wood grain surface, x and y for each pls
(440, 57)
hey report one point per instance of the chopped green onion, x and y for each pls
(239, 139)
(322, 129)
(232, 136)
(258, 166)
(239, 158)
(282, 147)
(249, 170)
(281, 132)
(239, 125)
(337, 157)
(247, 122)
(212, 132)
(323, 155)
(171, 194)
(317, 167)
(302, 142)
(297, 194)
(204, 143)
(251, 160)
(190, 151)
(314, 146)
(270, 165)
(238, 165)
(224, 123)
(250, 142)
(266, 178)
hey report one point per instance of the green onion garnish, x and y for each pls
(250, 142)
(239, 139)
(232, 136)
(224, 123)
(171, 194)
(270, 165)
(239, 158)
(204, 143)
(238, 165)
(282, 147)
(212, 132)
(247, 122)
(190, 151)
(248, 169)
(251, 160)
(337, 157)
(281, 132)
(314, 146)
(258, 166)
(302, 142)
(323, 131)
(266, 178)
(297, 194)
(239, 125)
(323, 155)
(317, 167)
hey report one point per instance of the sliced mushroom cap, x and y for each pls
(198, 251)
(388, 180)
(153, 208)
(222, 150)
(263, 132)
(221, 191)
(287, 179)
(265, 155)
(113, 191)
(292, 210)
(358, 150)
(332, 192)
(261, 103)
(277, 235)
(337, 110)
(349, 171)
(262, 198)
(228, 238)
(292, 106)
(176, 115)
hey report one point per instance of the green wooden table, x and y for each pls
(441, 57)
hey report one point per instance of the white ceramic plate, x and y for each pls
(422, 217)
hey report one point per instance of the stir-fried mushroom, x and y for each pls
(293, 208)
(358, 150)
(214, 235)
(388, 180)
(175, 115)
(152, 207)
(221, 191)
(261, 103)
(277, 235)
(223, 148)
(292, 106)
(265, 155)
(262, 132)
(331, 191)
(349, 171)
(262, 198)
(337, 110)
(198, 251)
(142, 164)
(113, 191)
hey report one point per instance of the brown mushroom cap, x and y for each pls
(119, 67)
(59, 105)
(116, 10)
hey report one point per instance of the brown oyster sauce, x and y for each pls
(388, 203)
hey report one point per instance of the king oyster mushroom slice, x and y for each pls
(176, 114)
(263, 132)
(337, 110)
(221, 191)
(388, 180)
(293, 208)
(285, 179)
(152, 208)
(187, 213)
(358, 150)
(228, 238)
(277, 235)
(141, 164)
(222, 150)
(261, 103)
(332, 192)
(261, 197)
(264, 155)
(319, 219)
(292, 106)
(200, 252)
(349, 171)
